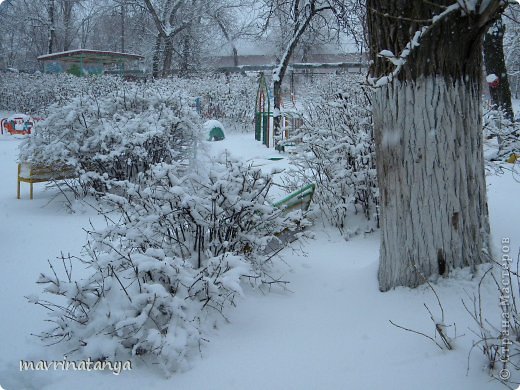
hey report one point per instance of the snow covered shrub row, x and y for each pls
(233, 101)
(115, 136)
(34, 94)
(230, 99)
(507, 132)
(497, 332)
(335, 150)
(164, 274)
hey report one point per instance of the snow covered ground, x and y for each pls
(331, 329)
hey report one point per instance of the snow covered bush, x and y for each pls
(229, 99)
(507, 133)
(498, 333)
(335, 150)
(232, 99)
(115, 136)
(166, 271)
(35, 94)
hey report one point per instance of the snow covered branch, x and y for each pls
(484, 8)
(400, 60)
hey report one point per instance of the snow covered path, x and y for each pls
(30, 233)
(331, 331)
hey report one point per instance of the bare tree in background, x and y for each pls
(511, 19)
(496, 65)
(67, 8)
(231, 19)
(169, 21)
(305, 22)
(52, 27)
(298, 16)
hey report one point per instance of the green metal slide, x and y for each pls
(298, 199)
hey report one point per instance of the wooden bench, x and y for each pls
(31, 174)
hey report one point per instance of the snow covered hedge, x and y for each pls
(164, 274)
(233, 102)
(335, 149)
(507, 133)
(115, 136)
(34, 94)
(229, 99)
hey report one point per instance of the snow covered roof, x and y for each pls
(83, 55)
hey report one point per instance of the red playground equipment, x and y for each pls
(17, 124)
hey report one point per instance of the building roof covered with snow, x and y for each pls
(83, 61)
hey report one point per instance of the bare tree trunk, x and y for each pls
(123, 23)
(168, 56)
(67, 23)
(428, 134)
(495, 64)
(281, 69)
(185, 59)
(52, 27)
(156, 56)
(230, 41)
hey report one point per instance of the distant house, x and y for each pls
(83, 62)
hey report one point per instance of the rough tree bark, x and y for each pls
(184, 65)
(168, 55)
(156, 55)
(495, 64)
(67, 8)
(52, 27)
(123, 25)
(428, 134)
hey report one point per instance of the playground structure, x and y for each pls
(264, 117)
(299, 199)
(215, 130)
(16, 124)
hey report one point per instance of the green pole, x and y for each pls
(268, 131)
(258, 110)
(258, 126)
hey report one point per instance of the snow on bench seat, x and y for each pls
(31, 174)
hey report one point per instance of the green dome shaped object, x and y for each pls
(216, 134)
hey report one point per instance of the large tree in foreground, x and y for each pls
(427, 68)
